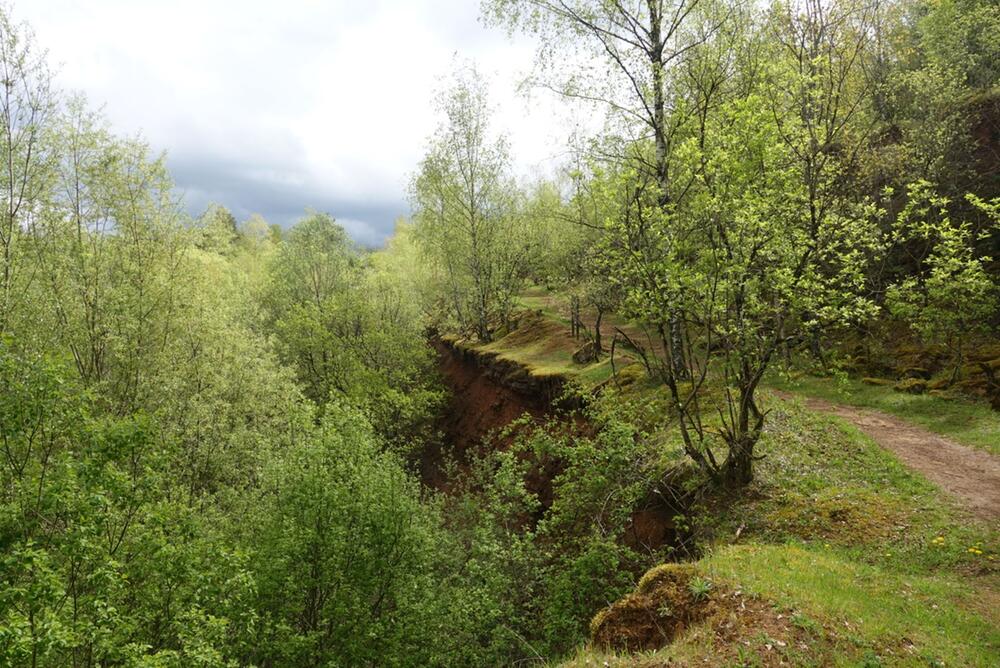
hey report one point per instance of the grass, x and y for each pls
(543, 345)
(903, 619)
(837, 612)
(537, 298)
(872, 564)
(823, 481)
(841, 537)
(965, 421)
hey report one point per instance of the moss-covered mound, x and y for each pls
(668, 599)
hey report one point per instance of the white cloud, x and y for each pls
(275, 107)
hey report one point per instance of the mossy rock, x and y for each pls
(630, 374)
(911, 357)
(912, 386)
(975, 387)
(941, 394)
(586, 354)
(651, 617)
(989, 353)
(879, 382)
(992, 364)
(915, 372)
(665, 574)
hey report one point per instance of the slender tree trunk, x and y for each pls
(574, 317)
(598, 347)
(738, 471)
(663, 162)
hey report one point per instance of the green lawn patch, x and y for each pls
(822, 481)
(897, 619)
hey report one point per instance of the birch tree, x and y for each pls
(626, 57)
(27, 104)
(465, 211)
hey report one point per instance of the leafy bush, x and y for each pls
(346, 559)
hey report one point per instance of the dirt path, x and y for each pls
(971, 475)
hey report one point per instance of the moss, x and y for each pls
(662, 606)
(878, 381)
(912, 386)
(939, 384)
(663, 574)
(630, 374)
(842, 515)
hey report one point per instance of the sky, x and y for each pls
(275, 107)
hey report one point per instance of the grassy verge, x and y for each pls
(873, 565)
(968, 422)
(822, 480)
(900, 619)
(836, 612)
(857, 559)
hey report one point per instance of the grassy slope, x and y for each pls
(920, 619)
(853, 614)
(834, 531)
(968, 422)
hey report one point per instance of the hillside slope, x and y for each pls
(837, 554)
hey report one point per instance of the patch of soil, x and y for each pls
(651, 528)
(971, 475)
(654, 525)
(479, 405)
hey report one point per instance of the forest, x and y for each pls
(625, 415)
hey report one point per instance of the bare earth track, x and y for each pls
(971, 475)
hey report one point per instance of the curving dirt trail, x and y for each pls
(971, 475)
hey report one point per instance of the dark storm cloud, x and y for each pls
(279, 198)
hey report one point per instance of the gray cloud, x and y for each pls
(277, 107)
(202, 180)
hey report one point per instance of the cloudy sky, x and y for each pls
(272, 107)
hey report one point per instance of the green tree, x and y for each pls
(745, 268)
(100, 566)
(465, 212)
(219, 229)
(348, 330)
(27, 107)
(950, 299)
(645, 46)
(312, 269)
(346, 556)
(111, 248)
